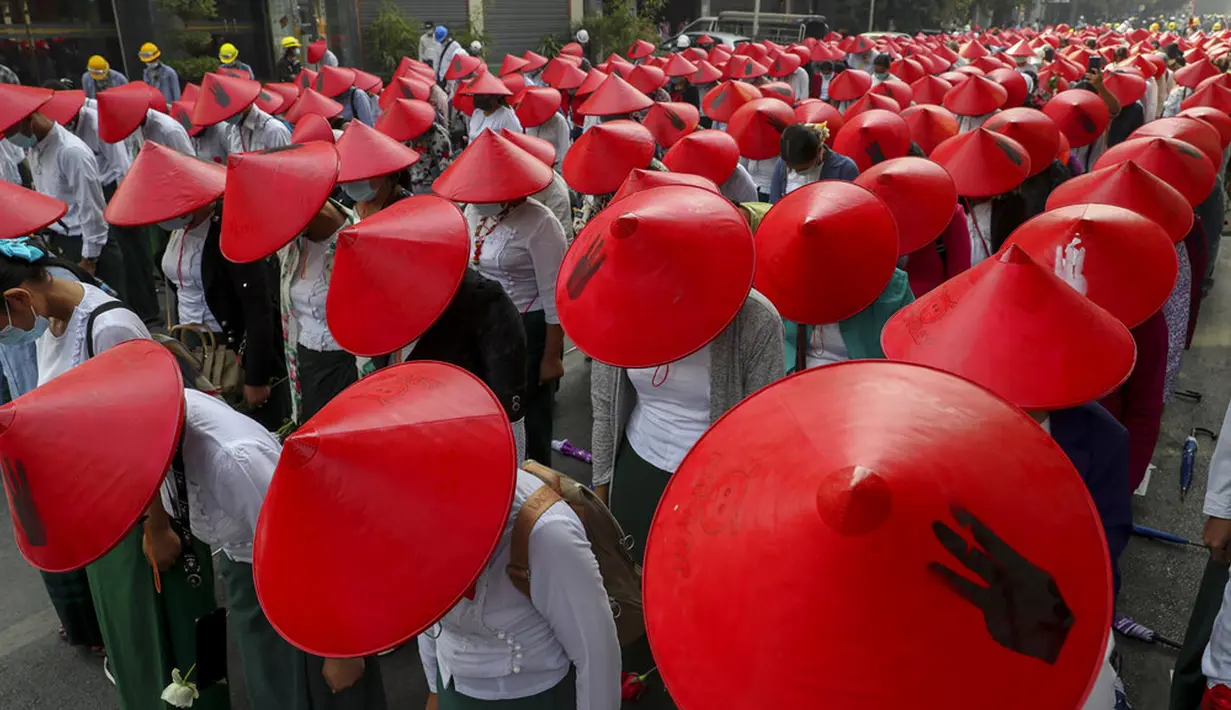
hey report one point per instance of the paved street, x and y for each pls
(37, 671)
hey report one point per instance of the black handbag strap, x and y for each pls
(89, 324)
(188, 553)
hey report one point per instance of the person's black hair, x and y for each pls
(826, 66)
(1049, 53)
(1173, 51)
(58, 84)
(14, 271)
(1091, 43)
(1121, 53)
(1083, 84)
(799, 145)
(882, 60)
(915, 151)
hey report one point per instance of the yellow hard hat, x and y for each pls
(1171, 25)
(227, 53)
(290, 43)
(99, 68)
(1217, 26)
(1154, 27)
(149, 52)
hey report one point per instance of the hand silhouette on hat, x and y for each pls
(1021, 605)
(23, 503)
(587, 266)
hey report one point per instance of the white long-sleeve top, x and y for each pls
(216, 142)
(501, 645)
(64, 168)
(229, 460)
(556, 131)
(761, 171)
(556, 198)
(502, 117)
(1151, 99)
(798, 81)
(1218, 487)
(113, 159)
(1171, 106)
(58, 354)
(739, 186)
(260, 131)
(10, 157)
(522, 252)
(168, 132)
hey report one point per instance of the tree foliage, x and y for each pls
(389, 37)
(190, 9)
(621, 23)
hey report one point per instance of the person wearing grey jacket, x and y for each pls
(646, 420)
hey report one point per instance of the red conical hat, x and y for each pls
(63, 106)
(163, 184)
(313, 103)
(873, 136)
(1033, 129)
(512, 63)
(222, 97)
(332, 81)
(462, 66)
(669, 122)
(273, 102)
(342, 477)
(464, 103)
(779, 90)
(1130, 186)
(534, 61)
(1192, 131)
(1217, 119)
(975, 96)
(641, 180)
(745, 68)
(515, 83)
(1177, 163)
(272, 195)
(485, 83)
(537, 105)
(121, 110)
(1192, 74)
(181, 111)
(896, 90)
(540, 148)
(825, 252)
(367, 82)
(871, 102)
(572, 49)
(930, 90)
(615, 97)
(919, 194)
(316, 50)
(784, 65)
(647, 79)
(372, 307)
(406, 119)
(604, 156)
(678, 65)
(1014, 84)
(404, 87)
(366, 153)
(1125, 84)
(849, 85)
(983, 163)
(305, 79)
(972, 50)
(817, 111)
(908, 69)
(563, 75)
(706, 73)
(722, 101)
(656, 276)
(17, 102)
(796, 504)
(757, 127)
(594, 79)
(1016, 328)
(1021, 49)
(712, 154)
(73, 498)
(1130, 263)
(492, 169)
(26, 211)
(640, 49)
(929, 125)
(1081, 115)
(1213, 95)
(314, 128)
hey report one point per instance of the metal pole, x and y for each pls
(119, 36)
(871, 13)
(756, 18)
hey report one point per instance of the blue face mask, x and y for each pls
(171, 225)
(11, 335)
(236, 119)
(21, 140)
(360, 190)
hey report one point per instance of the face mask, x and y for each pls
(171, 225)
(236, 119)
(22, 140)
(11, 335)
(882, 75)
(489, 210)
(295, 52)
(360, 190)
(153, 65)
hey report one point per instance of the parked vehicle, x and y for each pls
(778, 27)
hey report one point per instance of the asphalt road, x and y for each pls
(39, 672)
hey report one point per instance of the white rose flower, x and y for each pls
(181, 692)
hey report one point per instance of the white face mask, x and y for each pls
(23, 140)
(295, 52)
(489, 210)
(175, 223)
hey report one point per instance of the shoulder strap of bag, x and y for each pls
(89, 324)
(519, 549)
(188, 554)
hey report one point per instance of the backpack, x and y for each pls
(621, 575)
(190, 366)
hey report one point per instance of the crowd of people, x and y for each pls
(836, 294)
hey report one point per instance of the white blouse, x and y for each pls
(181, 263)
(826, 346)
(672, 410)
(501, 645)
(762, 172)
(522, 252)
(216, 142)
(309, 287)
(556, 198)
(57, 355)
(503, 117)
(979, 224)
(229, 461)
(556, 130)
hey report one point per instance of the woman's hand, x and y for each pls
(161, 547)
(342, 673)
(256, 396)
(550, 369)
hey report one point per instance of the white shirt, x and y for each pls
(523, 253)
(64, 168)
(57, 355)
(181, 263)
(1151, 99)
(826, 346)
(113, 159)
(555, 197)
(739, 186)
(501, 645)
(229, 460)
(855, 61)
(1218, 487)
(502, 117)
(166, 131)
(761, 172)
(429, 48)
(825, 86)
(798, 81)
(555, 130)
(672, 410)
(216, 142)
(260, 131)
(10, 157)
(1171, 106)
(328, 59)
(308, 293)
(979, 224)
(965, 124)
(796, 180)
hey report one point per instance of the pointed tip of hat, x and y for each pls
(300, 448)
(7, 412)
(625, 225)
(1014, 254)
